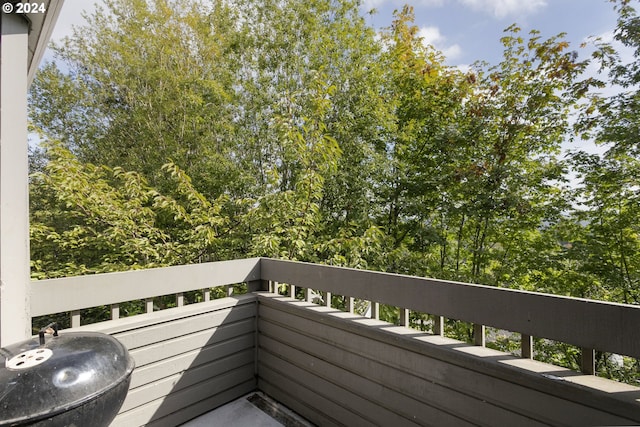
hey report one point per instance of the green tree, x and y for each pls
(473, 170)
(304, 39)
(286, 223)
(510, 180)
(609, 196)
(211, 87)
(426, 98)
(88, 219)
(144, 82)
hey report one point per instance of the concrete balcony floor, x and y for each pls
(253, 410)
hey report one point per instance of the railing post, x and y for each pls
(351, 304)
(228, 290)
(375, 310)
(75, 319)
(327, 299)
(307, 295)
(479, 335)
(588, 361)
(207, 294)
(115, 311)
(526, 346)
(404, 317)
(292, 291)
(438, 325)
(148, 303)
(179, 299)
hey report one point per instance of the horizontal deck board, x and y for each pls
(160, 351)
(190, 378)
(466, 369)
(329, 386)
(165, 367)
(383, 385)
(386, 387)
(171, 329)
(308, 395)
(335, 384)
(175, 401)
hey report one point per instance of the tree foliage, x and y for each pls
(191, 131)
(91, 219)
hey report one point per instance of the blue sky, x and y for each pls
(470, 30)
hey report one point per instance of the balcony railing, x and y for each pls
(337, 367)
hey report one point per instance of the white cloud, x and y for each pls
(452, 52)
(503, 8)
(371, 4)
(374, 4)
(432, 36)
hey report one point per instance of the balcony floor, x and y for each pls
(253, 410)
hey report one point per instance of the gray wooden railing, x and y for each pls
(330, 366)
(190, 358)
(588, 324)
(72, 294)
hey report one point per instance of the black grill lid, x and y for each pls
(39, 381)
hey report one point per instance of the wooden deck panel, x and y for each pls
(445, 374)
(284, 363)
(189, 359)
(180, 327)
(211, 353)
(195, 341)
(389, 394)
(188, 377)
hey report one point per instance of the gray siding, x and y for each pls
(189, 360)
(338, 368)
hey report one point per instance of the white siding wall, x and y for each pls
(15, 320)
